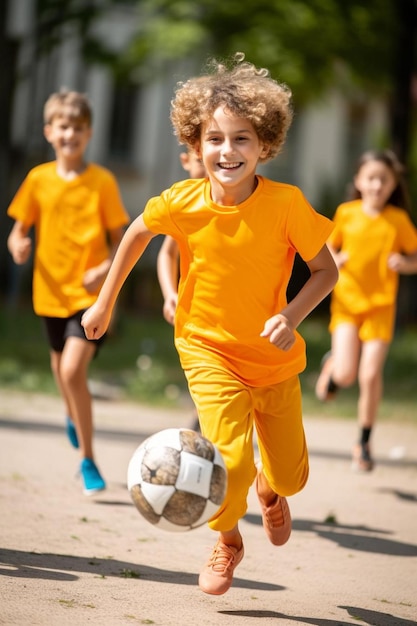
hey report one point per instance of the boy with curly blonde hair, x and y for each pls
(235, 332)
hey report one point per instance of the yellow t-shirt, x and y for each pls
(236, 262)
(71, 221)
(365, 280)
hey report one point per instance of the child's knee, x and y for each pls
(290, 482)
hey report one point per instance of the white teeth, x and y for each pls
(229, 166)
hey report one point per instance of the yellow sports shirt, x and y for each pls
(236, 262)
(71, 221)
(365, 280)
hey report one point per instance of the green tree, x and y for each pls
(304, 42)
(309, 44)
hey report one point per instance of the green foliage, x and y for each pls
(308, 44)
(139, 361)
(53, 16)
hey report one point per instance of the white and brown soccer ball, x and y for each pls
(177, 479)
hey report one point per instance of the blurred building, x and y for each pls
(132, 132)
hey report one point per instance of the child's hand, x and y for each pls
(22, 249)
(92, 280)
(94, 277)
(279, 332)
(169, 308)
(95, 321)
(396, 262)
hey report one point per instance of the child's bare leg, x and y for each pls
(75, 359)
(370, 379)
(340, 366)
(70, 426)
(231, 537)
(265, 492)
(346, 349)
(55, 358)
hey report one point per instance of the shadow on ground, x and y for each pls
(360, 538)
(372, 618)
(139, 436)
(61, 567)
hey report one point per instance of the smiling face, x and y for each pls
(375, 181)
(69, 137)
(230, 150)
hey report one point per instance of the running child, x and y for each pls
(78, 217)
(235, 332)
(374, 241)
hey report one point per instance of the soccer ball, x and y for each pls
(177, 479)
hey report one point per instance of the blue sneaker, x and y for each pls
(93, 482)
(71, 432)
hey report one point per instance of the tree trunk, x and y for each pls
(8, 56)
(401, 108)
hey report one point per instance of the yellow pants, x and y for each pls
(228, 410)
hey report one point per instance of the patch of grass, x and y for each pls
(139, 360)
(129, 573)
(67, 603)
(18, 477)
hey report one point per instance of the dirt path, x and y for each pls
(68, 559)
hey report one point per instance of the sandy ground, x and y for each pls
(69, 559)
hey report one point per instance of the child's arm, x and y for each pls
(97, 318)
(403, 263)
(19, 244)
(339, 257)
(280, 328)
(167, 270)
(95, 276)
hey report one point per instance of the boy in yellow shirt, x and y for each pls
(78, 217)
(235, 332)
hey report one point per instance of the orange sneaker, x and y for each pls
(217, 576)
(361, 458)
(276, 517)
(325, 388)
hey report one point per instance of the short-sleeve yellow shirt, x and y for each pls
(236, 262)
(71, 221)
(365, 280)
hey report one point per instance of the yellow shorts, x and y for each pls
(374, 324)
(228, 410)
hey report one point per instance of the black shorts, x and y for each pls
(58, 329)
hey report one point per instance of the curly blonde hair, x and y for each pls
(244, 91)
